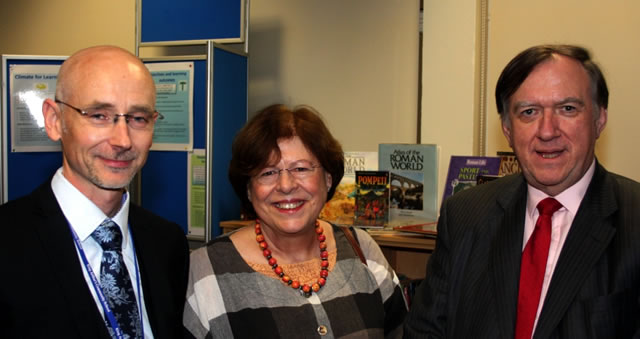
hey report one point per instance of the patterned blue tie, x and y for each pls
(115, 280)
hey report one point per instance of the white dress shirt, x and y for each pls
(560, 224)
(84, 217)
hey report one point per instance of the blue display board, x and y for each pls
(23, 172)
(164, 177)
(188, 20)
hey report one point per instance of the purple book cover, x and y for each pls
(464, 170)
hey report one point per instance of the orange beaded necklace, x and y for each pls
(305, 289)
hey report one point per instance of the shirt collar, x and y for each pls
(569, 198)
(81, 213)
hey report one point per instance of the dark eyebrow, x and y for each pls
(521, 104)
(571, 100)
(568, 100)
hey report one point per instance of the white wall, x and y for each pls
(62, 27)
(449, 79)
(355, 61)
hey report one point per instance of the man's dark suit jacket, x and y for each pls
(43, 293)
(471, 287)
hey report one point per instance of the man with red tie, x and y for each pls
(552, 252)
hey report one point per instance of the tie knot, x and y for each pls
(108, 235)
(548, 206)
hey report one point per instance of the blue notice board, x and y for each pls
(189, 20)
(164, 177)
(22, 172)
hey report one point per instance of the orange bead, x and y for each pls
(286, 278)
(323, 245)
(319, 230)
(315, 287)
(306, 288)
(263, 245)
(259, 238)
(295, 284)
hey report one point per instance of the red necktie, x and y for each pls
(534, 262)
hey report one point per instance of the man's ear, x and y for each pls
(52, 119)
(601, 121)
(506, 130)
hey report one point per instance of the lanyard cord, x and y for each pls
(98, 287)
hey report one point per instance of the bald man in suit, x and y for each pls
(103, 114)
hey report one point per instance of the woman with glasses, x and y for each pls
(290, 275)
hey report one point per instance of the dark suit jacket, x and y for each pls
(471, 287)
(43, 293)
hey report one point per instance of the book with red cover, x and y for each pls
(372, 198)
(427, 228)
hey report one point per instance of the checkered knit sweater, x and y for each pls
(227, 299)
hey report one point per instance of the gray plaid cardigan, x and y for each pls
(227, 299)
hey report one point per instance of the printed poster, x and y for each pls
(29, 86)
(174, 100)
(196, 193)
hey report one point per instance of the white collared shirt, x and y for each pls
(84, 217)
(560, 223)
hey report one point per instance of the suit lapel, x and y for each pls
(57, 242)
(143, 240)
(505, 255)
(589, 236)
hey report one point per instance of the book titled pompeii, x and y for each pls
(372, 198)
(341, 208)
(413, 172)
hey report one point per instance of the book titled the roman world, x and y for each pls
(414, 181)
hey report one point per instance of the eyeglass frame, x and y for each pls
(258, 176)
(126, 116)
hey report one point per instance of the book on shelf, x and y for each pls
(508, 163)
(413, 172)
(340, 209)
(429, 229)
(464, 171)
(372, 199)
(485, 178)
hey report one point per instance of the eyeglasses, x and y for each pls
(301, 172)
(104, 117)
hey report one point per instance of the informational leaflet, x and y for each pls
(29, 86)
(196, 193)
(174, 100)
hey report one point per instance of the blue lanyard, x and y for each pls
(98, 287)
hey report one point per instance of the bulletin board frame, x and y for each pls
(22, 172)
(219, 111)
(199, 21)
